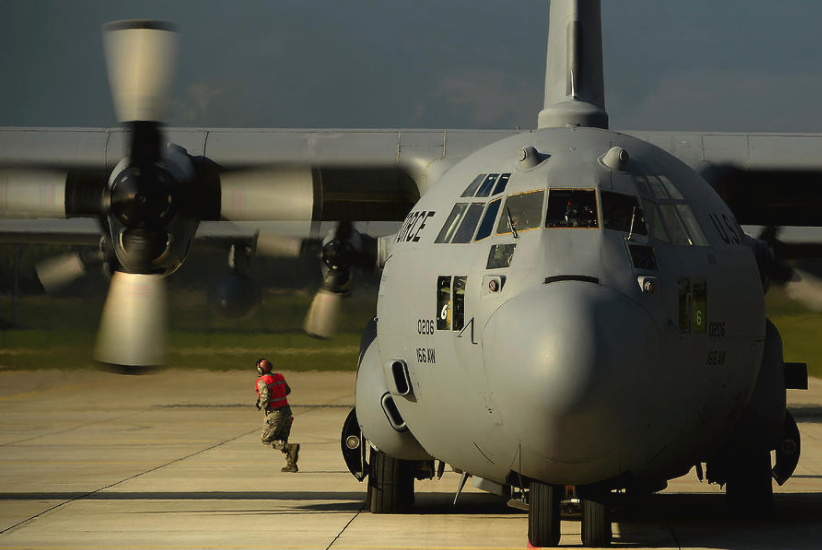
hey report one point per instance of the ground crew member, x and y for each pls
(271, 391)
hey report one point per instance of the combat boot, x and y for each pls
(292, 454)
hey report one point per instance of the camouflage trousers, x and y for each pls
(277, 427)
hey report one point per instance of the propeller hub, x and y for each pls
(339, 254)
(142, 197)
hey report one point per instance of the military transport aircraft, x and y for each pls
(562, 306)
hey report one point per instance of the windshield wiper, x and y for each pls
(511, 222)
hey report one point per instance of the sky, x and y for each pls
(701, 65)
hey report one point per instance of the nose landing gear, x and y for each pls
(544, 514)
(596, 521)
(544, 502)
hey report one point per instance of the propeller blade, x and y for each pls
(321, 320)
(60, 271)
(805, 288)
(342, 249)
(32, 194)
(55, 273)
(140, 59)
(276, 246)
(277, 194)
(134, 322)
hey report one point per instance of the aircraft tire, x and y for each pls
(596, 523)
(749, 488)
(544, 502)
(390, 485)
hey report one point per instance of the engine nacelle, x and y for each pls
(379, 419)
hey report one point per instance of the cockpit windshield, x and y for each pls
(670, 218)
(622, 213)
(572, 208)
(660, 211)
(521, 212)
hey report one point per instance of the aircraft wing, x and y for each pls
(766, 179)
(365, 174)
(377, 175)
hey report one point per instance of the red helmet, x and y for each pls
(263, 366)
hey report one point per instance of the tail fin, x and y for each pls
(574, 88)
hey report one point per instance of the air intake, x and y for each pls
(393, 413)
(402, 380)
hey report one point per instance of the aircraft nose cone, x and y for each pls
(567, 364)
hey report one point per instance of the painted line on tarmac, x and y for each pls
(382, 546)
(266, 547)
(36, 393)
(202, 350)
(61, 432)
(135, 476)
(340, 350)
(175, 547)
(673, 534)
(247, 406)
(350, 521)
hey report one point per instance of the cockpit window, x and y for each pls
(500, 256)
(572, 208)
(622, 213)
(471, 189)
(669, 186)
(694, 230)
(487, 225)
(521, 212)
(451, 223)
(654, 219)
(669, 217)
(642, 185)
(657, 188)
(674, 225)
(642, 256)
(502, 183)
(469, 224)
(487, 185)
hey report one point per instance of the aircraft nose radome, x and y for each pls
(566, 364)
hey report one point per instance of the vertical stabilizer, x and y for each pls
(574, 88)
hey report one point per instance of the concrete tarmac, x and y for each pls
(173, 460)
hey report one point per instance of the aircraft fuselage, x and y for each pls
(574, 322)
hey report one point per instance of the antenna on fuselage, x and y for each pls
(574, 85)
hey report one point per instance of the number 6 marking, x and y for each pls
(444, 312)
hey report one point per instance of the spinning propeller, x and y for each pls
(774, 267)
(343, 249)
(143, 197)
(153, 201)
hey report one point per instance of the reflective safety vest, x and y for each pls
(276, 390)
